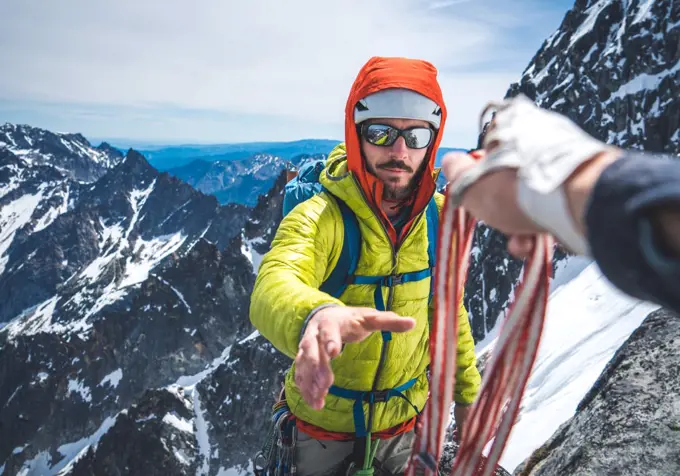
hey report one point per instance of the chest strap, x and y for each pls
(389, 281)
(376, 396)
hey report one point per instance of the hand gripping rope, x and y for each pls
(505, 379)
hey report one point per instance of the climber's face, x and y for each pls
(397, 164)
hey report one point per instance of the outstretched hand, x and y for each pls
(493, 199)
(536, 175)
(322, 341)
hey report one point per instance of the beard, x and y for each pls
(394, 191)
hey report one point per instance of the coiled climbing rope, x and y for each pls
(504, 382)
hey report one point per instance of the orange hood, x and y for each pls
(383, 73)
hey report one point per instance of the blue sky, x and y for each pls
(169, 71)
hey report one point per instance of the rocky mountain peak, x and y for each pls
(614, 67)
(72, 154)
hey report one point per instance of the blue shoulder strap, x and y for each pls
(432, 215)
(351, 247)
(349, 256)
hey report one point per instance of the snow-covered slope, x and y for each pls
(587, 321)
(108, 289)
(628, 422)
(612, 66)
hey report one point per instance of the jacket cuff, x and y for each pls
(309, 317)
(620, 233)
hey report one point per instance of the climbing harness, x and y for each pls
(277, 457)
(497, 405)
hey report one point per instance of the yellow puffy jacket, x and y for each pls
(304, 251)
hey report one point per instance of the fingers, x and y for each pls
(306, 361)
(521, 246)
(323, 340)
(313, 374)
(387, 321)
(454, 164)
(330, 339)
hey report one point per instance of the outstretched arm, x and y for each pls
(286, 290)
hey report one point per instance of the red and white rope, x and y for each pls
(497, 405)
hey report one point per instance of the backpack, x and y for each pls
(306, 184)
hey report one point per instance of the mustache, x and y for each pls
(395, 164)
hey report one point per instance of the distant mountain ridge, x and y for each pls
(243, 180)
(168, 157)
(237, 181)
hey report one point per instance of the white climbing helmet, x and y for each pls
(398, 103)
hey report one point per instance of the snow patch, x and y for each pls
(77, 386)
(34, 320)
(202, 436)
(14, 216)
(644, 10)
(147, 254)
(249, 252)
(48, 218)
(541, 75)
(44, 464)
(237, 471)
(178, 422)
(176, 291)
(14, 181)
(588, 24)
(113, 378)
(191, 380)
(644, 82)
(252, 336)
(74, 451)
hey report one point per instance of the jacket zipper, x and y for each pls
(390, 296)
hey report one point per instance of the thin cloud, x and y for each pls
(283, 61)
(446, 3)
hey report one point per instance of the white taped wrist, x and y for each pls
(545, 148)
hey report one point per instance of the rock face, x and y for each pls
(492, 277)
(130, 284)
(629, 422)
(613, 67)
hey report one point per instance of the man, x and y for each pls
(375, 336)
(542, 173)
